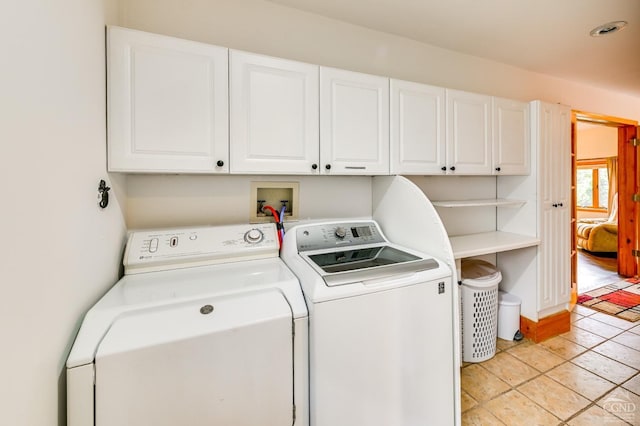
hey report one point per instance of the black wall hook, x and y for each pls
(103, 194)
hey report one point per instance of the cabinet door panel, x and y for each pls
(547, 170)
(511, 135)
(469, 135)
(563, 258)
(552, 132)
(167, 104)
(274, 115)
(562, 193)
(354, 120)
(417, 128)
(547, 258)
(562, 126)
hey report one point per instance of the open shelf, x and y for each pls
(489, 242)
(502, 202)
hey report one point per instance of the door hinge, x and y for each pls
(634, 141)
(635, 198)
(635, 253)
(294, 414)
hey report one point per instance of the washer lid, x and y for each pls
(149, 327)
(161, 289)
(231, 364)
(366, 263)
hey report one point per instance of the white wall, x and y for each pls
(59, 251)
(597, 142)
(263, 27)
(456, 220)
(168, 201)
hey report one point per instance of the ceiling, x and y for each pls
(546, 36)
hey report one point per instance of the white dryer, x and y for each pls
(208, 326)
(381, 341)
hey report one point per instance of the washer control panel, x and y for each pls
(163, 249)
(331, 235)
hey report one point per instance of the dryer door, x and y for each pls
(215, 361)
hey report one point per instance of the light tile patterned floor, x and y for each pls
(588, 376)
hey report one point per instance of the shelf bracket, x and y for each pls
(635, 198)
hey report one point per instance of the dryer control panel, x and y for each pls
(164, 249)
(337, 234)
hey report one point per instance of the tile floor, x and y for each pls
(588, 376)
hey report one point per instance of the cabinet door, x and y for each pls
(274, 115)
(511, 135)
(553, 134)
(354, 123)
(562, 131)
(417, 128)
(167, 104)
(469, 136)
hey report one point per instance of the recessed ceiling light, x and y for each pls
(608, 28)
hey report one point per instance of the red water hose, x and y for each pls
(276, 217)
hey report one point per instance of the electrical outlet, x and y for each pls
(274, 194)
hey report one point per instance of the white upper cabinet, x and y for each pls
(487, 135)
(472, 135)
(417, 128)
(354, 123)
(274, 115)
(167, 104)
(469, 135)
(178, 106)
(511, 137)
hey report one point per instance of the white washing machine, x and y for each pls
(381, 342)
(208, 326)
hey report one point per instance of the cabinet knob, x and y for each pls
(220, 163)
(328, 167)
(314, 166)
(452, 168)
(443, 168)
(560, 204)
(497, 169)
(554, 205)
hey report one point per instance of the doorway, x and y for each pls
(627, 185)
(596, 206)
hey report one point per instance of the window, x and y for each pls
(593, 185)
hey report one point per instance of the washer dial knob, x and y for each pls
(253, 236)
(340, 232)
